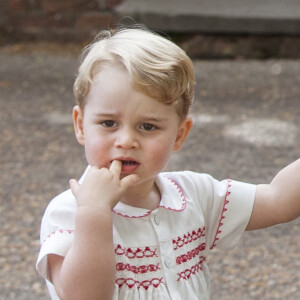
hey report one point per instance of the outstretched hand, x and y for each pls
(102, 187)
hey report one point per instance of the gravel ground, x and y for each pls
(246, 127)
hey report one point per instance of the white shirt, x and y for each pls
(161, 254)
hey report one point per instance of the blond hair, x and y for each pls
(156, 66)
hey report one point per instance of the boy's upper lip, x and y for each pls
(123, 158)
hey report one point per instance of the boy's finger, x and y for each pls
(116, 167)
(129, 181)
(74, 186)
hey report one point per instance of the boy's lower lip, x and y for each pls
(129, 166)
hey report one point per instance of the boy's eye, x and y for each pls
(109, 123)
(148, 127)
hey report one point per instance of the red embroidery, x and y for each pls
(56, 231)
(134, 217)
(145, 269)
(186, 274)
(179, 190)
(183, 204)
(137, 269)
(130, 282)
(190, 255)
(226, 201)
(132, 253)
(188, 238)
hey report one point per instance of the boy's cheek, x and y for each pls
(96, 157)
(161, 154)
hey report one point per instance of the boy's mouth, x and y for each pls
(128, 162)
(128, 165)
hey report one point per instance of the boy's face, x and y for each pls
(121, 123)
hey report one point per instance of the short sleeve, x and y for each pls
(57, 229)
(228, 212)
(226, 206)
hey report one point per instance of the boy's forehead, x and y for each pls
(102, 71)
(119, 74)
(112, 89)
(147, 106)
(142, 107)
(113, 81)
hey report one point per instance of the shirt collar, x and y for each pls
(173, 198)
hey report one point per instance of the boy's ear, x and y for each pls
(78, 124)
(182, 133)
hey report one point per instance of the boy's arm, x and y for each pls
(88, 269)
(279, 201)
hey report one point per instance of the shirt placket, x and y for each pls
(167, 255)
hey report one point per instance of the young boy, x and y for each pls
(126, 230)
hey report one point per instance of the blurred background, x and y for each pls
(246, 115)
(204, 28)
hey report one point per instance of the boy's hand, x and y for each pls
(102, 187)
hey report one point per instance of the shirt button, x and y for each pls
(156, 219)
(168, 262)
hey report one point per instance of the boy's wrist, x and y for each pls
(96, 204)
(94, 210)
(91, 222)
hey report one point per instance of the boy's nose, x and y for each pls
(126, 139)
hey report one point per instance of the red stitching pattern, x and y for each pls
(186, 274)
(134, 217)
(137, 253)
(179, 190)
(188, 238)
(147, 213)
(226, 201)
(190, 255)
(58, 230)
(137, 269)
(132, 253)
(130, 282)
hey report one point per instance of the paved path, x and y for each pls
(246, 127)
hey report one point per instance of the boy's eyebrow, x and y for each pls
(153, 119)
(104, 114)
(145, 117)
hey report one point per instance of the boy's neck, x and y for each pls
(145, 196)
